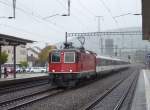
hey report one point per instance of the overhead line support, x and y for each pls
(14, 8)
(105, 33)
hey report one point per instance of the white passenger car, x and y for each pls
(38, 69)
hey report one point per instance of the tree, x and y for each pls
(23, 63)
(3, 57)
(43, 55)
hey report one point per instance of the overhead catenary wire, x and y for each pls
(84, 7)
(62, 5)
(22, 30)
(85, 12)
(37, 15)
(29, 33)
(108, 10)
(39, 18)
(82, 11)
(74, 16)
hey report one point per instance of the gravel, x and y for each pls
(77, 98)
(111, 100)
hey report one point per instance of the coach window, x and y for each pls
(69, 57)
(55, 57)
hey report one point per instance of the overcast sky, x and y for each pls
(29, 22)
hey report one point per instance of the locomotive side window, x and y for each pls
(55, 57)
(69, 57)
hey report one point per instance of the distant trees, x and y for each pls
(3, 57)
(23, 64)
(43, 55)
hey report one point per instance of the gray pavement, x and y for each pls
(141, 100)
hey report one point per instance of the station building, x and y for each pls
(21, 53)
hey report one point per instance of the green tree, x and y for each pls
(23, 63)
(3, 57)
(43, 55)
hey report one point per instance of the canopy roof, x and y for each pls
(11, 40)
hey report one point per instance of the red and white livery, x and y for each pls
(70, 65)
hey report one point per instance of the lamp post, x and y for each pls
(14, 11)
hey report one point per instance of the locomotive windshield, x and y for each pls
(69, 57)
(55, 57)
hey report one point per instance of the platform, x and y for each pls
(141, 100)
(22, 76)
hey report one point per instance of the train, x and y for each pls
(70, 65)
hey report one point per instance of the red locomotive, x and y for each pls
(70, 64)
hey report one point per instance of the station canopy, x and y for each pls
(146, 19)
(11, 40)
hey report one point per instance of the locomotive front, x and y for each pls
(63, 66)
(68, 66)
(62, 61)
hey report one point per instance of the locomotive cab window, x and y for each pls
(69, 57)
(55, 57)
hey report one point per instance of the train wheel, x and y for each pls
(72, 84)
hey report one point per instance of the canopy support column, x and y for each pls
(14, 61)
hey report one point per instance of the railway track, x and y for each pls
(22, 101)
(122, 99)
(18, 87)
(9, 86)
(117, 106)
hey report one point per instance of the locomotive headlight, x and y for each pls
(53, 70)
(70, 70)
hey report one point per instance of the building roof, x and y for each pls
(33, 50)
(11, 40)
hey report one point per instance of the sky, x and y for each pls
(31, 22)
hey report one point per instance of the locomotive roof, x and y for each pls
(74, 49)
(66, 49)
